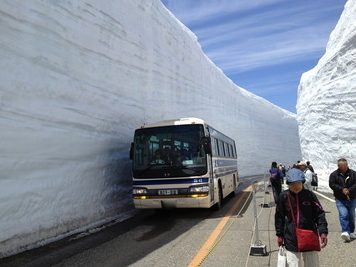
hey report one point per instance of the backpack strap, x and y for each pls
(296, 221)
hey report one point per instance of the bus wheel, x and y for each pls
(218, 204)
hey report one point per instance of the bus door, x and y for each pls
(211, 176)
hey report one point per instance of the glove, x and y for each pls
(280, 241)
(324, 240)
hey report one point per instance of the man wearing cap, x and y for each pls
(311, 216)
(302, 165)
(343, 183)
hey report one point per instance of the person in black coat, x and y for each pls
(343, 183)
(311, 216)
(310, 167)
(276, 180)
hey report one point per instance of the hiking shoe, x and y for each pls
(345, 236)
(352, 236)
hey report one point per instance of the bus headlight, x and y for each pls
(199, 189)
(139, 191)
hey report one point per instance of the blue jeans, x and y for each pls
(346, 214)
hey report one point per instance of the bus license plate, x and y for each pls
(168, 192)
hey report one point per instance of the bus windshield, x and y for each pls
(169, 151)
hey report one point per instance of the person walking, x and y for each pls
(343, 183)
(307, 173)
(276, 180)
(282, 168)
(297, 202)
(310, 167)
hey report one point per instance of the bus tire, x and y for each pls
(218, 204)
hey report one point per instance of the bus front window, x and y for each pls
(171, 151)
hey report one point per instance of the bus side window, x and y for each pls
(214, 146)
(222, 148)
(217, 147)
(227, 150)
(232, 151)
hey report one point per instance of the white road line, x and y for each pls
(316, 192)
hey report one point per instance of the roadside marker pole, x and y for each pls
(258, 249)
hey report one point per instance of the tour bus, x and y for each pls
(183, 163)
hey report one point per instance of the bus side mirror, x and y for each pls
(206, 143)
(132, 151)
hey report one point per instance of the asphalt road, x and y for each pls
(167, 238)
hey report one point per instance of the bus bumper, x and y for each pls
(170, 203)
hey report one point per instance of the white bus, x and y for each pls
(182, 163)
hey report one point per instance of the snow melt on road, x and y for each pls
(77, 79)
(326, 105)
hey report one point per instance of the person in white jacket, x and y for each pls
(302, 165)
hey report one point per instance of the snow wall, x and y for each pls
(326, 105)
(77, 78)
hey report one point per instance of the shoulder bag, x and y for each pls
(307, 240)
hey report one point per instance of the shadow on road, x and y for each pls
(163, 226)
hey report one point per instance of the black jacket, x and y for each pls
(338, 181)
(312, 216)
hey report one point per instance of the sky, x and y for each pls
(263, 46)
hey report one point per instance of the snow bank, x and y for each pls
(77, 79)
(326, 105)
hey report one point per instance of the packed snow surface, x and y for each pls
(326, 105)
(77, 78)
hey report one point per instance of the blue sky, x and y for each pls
(264, 46)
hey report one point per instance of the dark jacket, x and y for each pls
(338, 181)
(312, 216)
(310, 167)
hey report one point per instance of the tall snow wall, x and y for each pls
(77, 78)
(326, 104)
